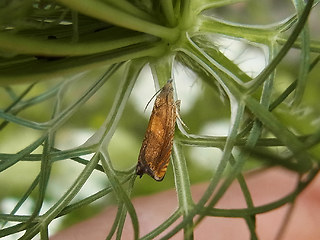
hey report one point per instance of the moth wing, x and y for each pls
(156, 147)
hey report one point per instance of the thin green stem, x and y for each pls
(202, 5)
(132, 9)
(35, 70)
(124, 211)
(90, 199)
(269, 120)
(235, 121)
(108, 13)
(219, 142)
(187, 15)
(304, 57)
(263, 35)
(23, 199)
(60, 48)
(182, 183)
(168, 11)
(162, 227)
(121, 195)
(21, 154)
(121, 209)
(237, 113)
(285, 222)
(65, 199)
(18, 100)
(284, 50)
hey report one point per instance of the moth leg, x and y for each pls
(177, 103)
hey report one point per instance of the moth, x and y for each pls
(156, 147)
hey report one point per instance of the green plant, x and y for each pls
(56, 40)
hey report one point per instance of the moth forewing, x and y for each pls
(156, 147)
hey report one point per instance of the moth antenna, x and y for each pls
(169, 81)
(151, 99)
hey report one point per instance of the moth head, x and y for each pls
(145, 169)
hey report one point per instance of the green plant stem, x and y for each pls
(235, 121)
(106, 131)
(124, 212)
(105, 134)
(287, 137)
(36, 100)
(187, 15)
(64, 200)
(285, 222)
(168, 11)
(182, 183)
(93, 35)
(121, 209)
(304, 57)
(13, 229)
(268, 119)
(121, 221)
(90, 199)
(284, 50)
(15, 43)
(107, 13)
(161, 69)
(280, 99)
(199, 6)
(24, 152)
(44, 232)
(266, 207)
(162, 227)
(236, 116)
(131, 9)
(36, 70)
(21, 200)
(219, 142)
(68, 112)
(119, 191)
(314, 44)
(263, 35)
(45, 170)
(251, 142)
(22, 122)
(18, 100)
(57, 155)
